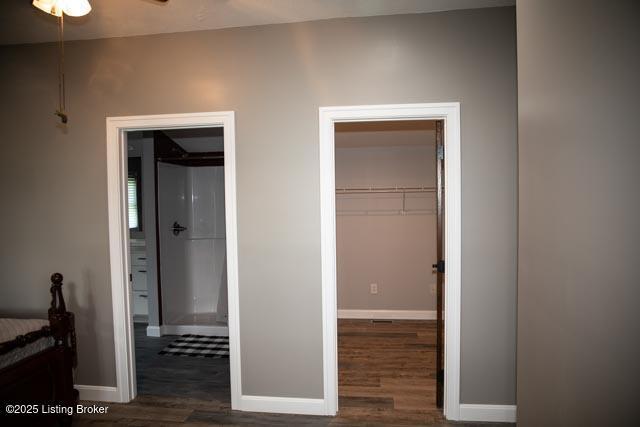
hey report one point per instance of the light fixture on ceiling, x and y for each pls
(59, 8)
(76, 7)
(48, 6)
(69, 7)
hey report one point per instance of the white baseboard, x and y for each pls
(158, 331)
(282, 405)
(153, 331)
(490, 413)
(218, 331)
(98, 393)
(388, 314)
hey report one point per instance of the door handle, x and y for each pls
(439, 266)
(177, 228)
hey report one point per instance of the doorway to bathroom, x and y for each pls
(173, 252)
(176, 221)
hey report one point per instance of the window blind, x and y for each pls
(132, 201)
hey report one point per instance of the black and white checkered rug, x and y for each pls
(198, 346)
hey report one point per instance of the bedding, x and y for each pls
(11, 328)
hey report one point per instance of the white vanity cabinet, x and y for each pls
(139, 281)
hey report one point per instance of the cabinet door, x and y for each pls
(139, 278)
(140, 305)
(138, 258)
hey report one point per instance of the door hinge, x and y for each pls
(439, 266)
(440, 152)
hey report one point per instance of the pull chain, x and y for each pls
(61, 111)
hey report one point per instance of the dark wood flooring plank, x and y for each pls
(386, 378)
(392, 363)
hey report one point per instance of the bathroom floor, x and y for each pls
(188, 377)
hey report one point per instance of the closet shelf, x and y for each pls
(400, 191)
(390, 212)
(370, 190)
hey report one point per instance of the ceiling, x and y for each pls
(198, 140)
(192, 140)
(22, 23)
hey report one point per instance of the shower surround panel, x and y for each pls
(192, 262)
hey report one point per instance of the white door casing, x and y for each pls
(119, 239)
(450, 113)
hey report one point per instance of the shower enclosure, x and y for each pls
(191, 226)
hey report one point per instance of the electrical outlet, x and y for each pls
(373, 288)
(432, 289)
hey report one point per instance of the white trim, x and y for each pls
(97, 393)
(154, 331)
(218, 331)
(388, 314)
(489, 413)
(450, 112)
(282, 405)
(119, 237)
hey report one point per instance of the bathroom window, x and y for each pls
(134, 199)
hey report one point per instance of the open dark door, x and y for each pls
(439, 266)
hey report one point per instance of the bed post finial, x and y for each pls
(57, 300)
(56, 278)
(61, 321)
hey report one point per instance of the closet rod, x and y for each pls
(365, 190)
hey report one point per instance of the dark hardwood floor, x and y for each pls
(387, 371)
(386, 378)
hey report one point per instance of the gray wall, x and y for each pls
(274, 78)
(579, 275)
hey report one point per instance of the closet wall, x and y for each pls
(377, 241)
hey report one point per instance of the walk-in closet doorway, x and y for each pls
(447, 115)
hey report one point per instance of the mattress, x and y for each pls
(11, 328)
